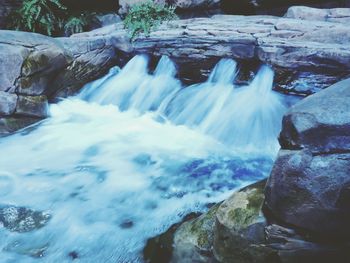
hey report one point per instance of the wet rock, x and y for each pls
(159, 249)
(22, 219)
(311, 192)
(239, 228)
(309, 184)
(288, 45)
(320, 123)
(8, 103)
(36, 106)
(238, 231)
(73, 255)
(33, 248)
(33, 66)
(11, 124)
(108, 19)
(127, 224)
(193, 240)
(28, 61)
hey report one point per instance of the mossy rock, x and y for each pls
(193, 240)
(9, 125)
(239, 229)
(159, 249)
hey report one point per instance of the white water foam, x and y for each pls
(132, 154)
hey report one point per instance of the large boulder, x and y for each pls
(36, 69)
(193, 240)
(309, 185)
(237, 231)
(28, 64)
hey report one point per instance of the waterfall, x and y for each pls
(131, 155)
(247, 118)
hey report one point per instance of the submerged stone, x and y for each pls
(22, 219)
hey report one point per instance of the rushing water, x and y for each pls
(130, 155)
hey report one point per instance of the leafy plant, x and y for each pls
(147, 16)
(42, 16)
(49, 17)
(77, 24)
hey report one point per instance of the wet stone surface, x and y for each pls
(22, 219)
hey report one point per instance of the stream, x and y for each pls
(130, 155)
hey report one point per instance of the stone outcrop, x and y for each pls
(302, 214)
(336, 15)
(309, 185)
(35, 69)
(306, 55)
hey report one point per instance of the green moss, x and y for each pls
(202, 227)
(34, 63)
(13, 124)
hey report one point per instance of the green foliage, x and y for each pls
(147, 16)
(78, 24)
(41, 16)
(49, 17)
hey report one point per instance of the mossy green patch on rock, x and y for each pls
(243, 207)
(159, 249)
(239, 228)
(193, 240)
(34, 63)
(12, 124)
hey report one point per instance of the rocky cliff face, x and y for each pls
(305, 203)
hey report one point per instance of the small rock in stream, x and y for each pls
(22, 219)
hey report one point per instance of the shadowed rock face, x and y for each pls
(309, 184)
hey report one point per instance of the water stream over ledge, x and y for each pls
(132, 154)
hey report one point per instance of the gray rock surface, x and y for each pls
(237, 231)
(316, 51)
(8, 103)
(303, 214)
(35, 69)
(336, 15)
(320, 123)
(309, 184)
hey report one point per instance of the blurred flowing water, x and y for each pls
(132, 154)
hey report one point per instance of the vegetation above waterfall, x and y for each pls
(49, 17)
(147, 16)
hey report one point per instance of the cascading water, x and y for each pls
(132, 154)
